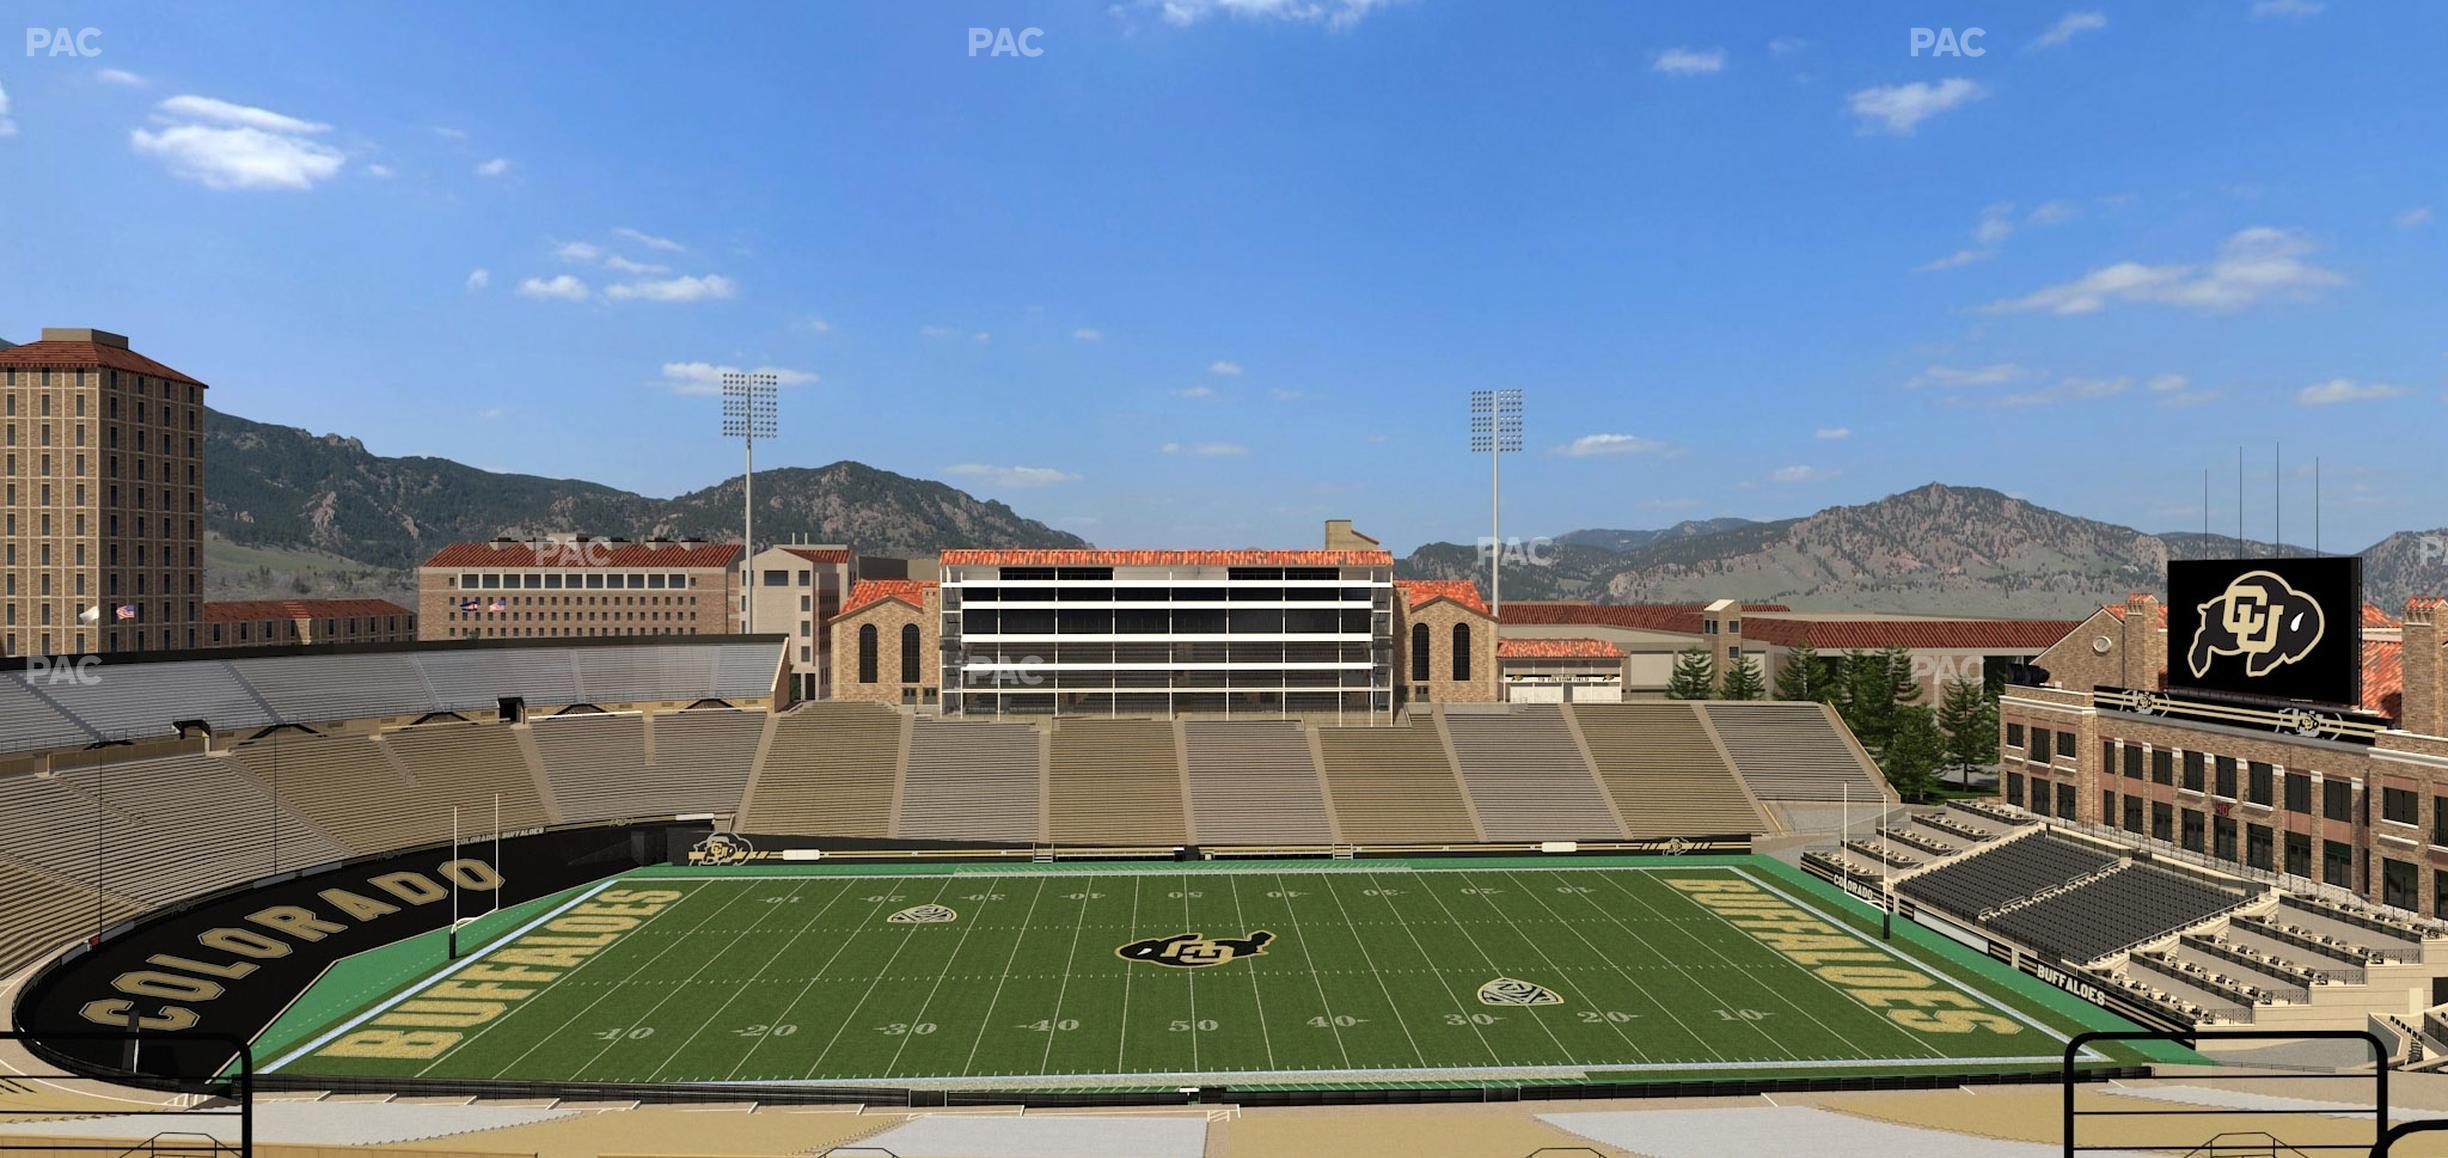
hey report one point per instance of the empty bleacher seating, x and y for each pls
(28, 721)
(1793, 751)
(1526, 776)
(464, 681)
(829, 772)
(47, 822)
(2006, 872)
(318, 688)
(1114, 782)
(1667, 779)
(1393, 785)
(701, 759)
(201, 824)
(134, 701)
(470, 766)
(343, 785)
(2116, 911)
(972, 782)
(45, 912)
(1254, 783)
(596, 763)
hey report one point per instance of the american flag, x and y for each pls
(498, 605)
(126, 612)
(470, 605)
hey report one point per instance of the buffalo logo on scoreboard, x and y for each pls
(2282, 628)
(1195, 950)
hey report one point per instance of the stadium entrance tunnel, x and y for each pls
(191, 978)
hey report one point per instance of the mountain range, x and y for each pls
(294, 513)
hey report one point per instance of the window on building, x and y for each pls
(2065, 745)
(2299, 794)
(2040, 797)
(2133, 761)
(2226, 779)
(1461, 653)
(2065, 801)
(2040, 745)
(2014, 735)
(2223, 838)
(2397, 884)
(2108, 809)
(2163, 820)
(2014, 789)
(2194, 825)
(2299, 854)
(2337, 863)
(2263, 783)
(909, 653)
(2133, 814)
(1419, 653)
(2400, 805)
(2337, 799)
(2163, 766)
(867, 653)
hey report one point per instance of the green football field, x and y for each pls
(1311, 973)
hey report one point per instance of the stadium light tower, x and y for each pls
(748, 415)
(1496, 430)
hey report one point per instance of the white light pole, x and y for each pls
(748, 415)
(1496, 430)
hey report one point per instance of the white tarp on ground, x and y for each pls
(1048, 1136)
(302, 1123)
(1774, 1130)
(2227, 1099)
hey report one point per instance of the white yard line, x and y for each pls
(813, 978)
(1314, 979)
(1464, 1010)
(1063, 991)
(1485, 956)
(986, 1022)
(750, 980)
(882, 971)
(1242, 918)
(919, 1017)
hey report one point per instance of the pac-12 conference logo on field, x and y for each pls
(1513, 991)
(924, 915)
(722, 848)
(1195, 950)
(2260, 617)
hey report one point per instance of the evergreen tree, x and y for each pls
(1695, 675)
(1968, 716)
(1805, 676)
(1742, 681)
(1913, 752)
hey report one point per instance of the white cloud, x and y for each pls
(380, 171)
(711, 287)
(935, 331)
(121, 77)
(578, 251)
(1787, 45)
(2066, 390)
(2069, 26)
(1953, 377)
(1900, 108)
(478, 279)
(1802, 474)
(200, 108)
(618, 264)
(815, 325)
(2253, 265)
(706, 377)
(1228, 369)
(2175, 391)
(2286, 9)
(562, 287)
(2054, 213)
(981, 336)
(1012, 477)
(448, 133)
(1194, 392)
(1206, 449)
(1087, 335)
(1592, 445)
(1280, 394)
(1336, 15)
(1832, 433)
(1996, 224)
(1689, 61)
(2338, 390)
(1960, 257)
(649, 240)
(8, 127)
(493, 168)
(2414, 218)
(221, 145)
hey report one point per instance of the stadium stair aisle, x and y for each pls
(973, 782)
(1794, 751)
(205, 805)
(592, 761)
(1393, 785)
(829, 772)
(1665, 775)
(1527, 777)
(1253, 783)
(1114, 782)
(341, 784)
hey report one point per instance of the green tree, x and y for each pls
(1806, 675)
(1695, 675)
(1742, 681)
(1913, 753)
(1968, 715)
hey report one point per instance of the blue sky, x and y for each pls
(1208, 272)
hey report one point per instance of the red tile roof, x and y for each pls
(871, 591)
(2032, 635)
(2384, 676)
(231, 610)
(826, 555)
(508, 555)
(86, 356)
(1675, 617)
(1462, 591)
(1557, 649)
(1093, 557)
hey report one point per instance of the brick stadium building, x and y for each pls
(2362, 806)
(102, 489)
(578, 586)
(796, 591)
(265, 622)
